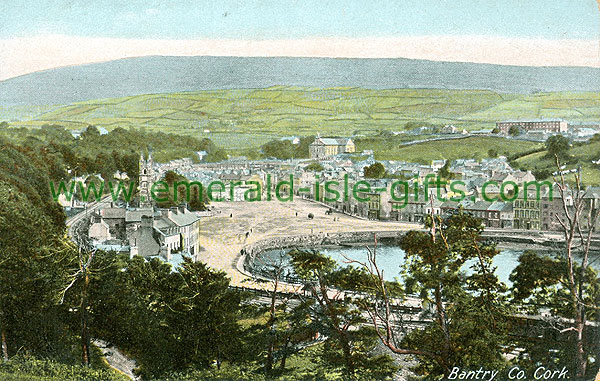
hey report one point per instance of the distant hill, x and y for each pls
(150, 75)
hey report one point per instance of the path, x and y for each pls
(116, 359)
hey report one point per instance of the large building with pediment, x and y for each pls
(323, 148)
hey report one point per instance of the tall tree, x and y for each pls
(468, 307)
(577, 227)
(337, 312)
(557, 145)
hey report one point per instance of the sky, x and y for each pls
(41, 34)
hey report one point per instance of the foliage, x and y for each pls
(374, 171)
(557, 145)
(314, 166)
(156, 310)
(88, 154)
(24, 368)
(540, 283)
(445, 172)
(34, 257)
(468, 309)
(349, 343)
(285, 149)
(186, 193)
(515, 130)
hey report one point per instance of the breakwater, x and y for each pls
(515, 240)
(251, 251)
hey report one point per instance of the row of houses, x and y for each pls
(147, 232)
(535, 211)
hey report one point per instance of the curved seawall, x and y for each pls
(250, 252)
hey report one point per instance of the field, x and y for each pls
(475, 147)
(579, 155)
(249, 118)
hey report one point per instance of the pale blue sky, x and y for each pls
(284, 19)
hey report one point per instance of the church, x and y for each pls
(147, 177)
(323, 148)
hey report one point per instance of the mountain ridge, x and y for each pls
(168, 74)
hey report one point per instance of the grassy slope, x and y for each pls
(476, 147)
(583, 155)
(260, 115)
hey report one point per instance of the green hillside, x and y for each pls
(475, 147)
(579, 155)
(249, 118)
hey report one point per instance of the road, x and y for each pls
(74, 221)
(114, 358)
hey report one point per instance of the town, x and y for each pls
(140, 230)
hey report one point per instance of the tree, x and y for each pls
(378, 302)
(492, 153)
(541, 173)
(281, 149)
(469, 310)
(557, 145)
(168, 320)
(576, 228)
(515, 130)
(186, 192)
(338, 315)
(206, 306)
(565, 284)
(374, 171)
(283, 326)
(445, 172)
(314, 166)
(33, 262)
(33, 257)
(85, 262)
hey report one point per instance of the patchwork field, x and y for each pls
(249, 118)
(475, 147)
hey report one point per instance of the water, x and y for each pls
(391, 258)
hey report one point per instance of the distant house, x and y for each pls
(449, 129)
(293, 139)
(201, 155)
(326, 147)
(437, 164)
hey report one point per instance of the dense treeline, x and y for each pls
(105, 154)
(286, 149)
(35, 262)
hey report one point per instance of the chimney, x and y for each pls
(172, 211)
(147, 222)
(182, 209)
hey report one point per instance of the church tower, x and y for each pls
(146, 180)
